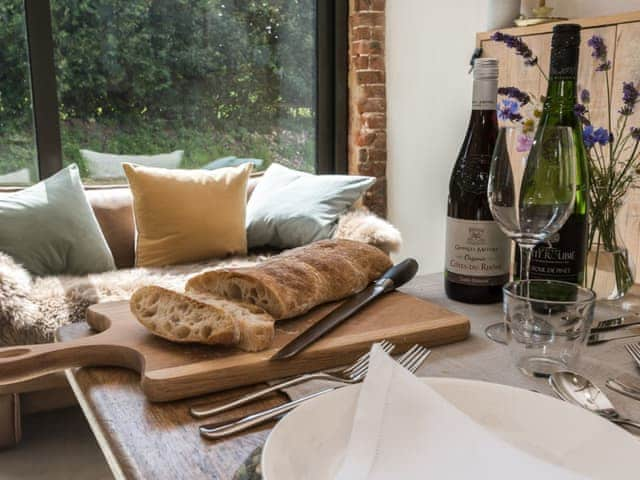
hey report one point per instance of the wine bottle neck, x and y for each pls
(485, 93)
(560, 101)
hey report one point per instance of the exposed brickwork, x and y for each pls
(367, 98)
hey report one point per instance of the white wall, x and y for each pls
(429, 93)
(429, 44)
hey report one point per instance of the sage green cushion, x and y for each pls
(51, 229)
(289, 208)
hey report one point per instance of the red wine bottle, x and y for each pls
(477, 251)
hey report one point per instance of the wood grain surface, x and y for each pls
(171, 371)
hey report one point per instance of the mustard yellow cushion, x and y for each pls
(188, 215)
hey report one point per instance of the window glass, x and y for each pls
(18, 163)
(207, 81)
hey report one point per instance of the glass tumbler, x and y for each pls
(547, 324)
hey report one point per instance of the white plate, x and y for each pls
(309, 443)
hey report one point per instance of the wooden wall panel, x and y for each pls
(627, 69)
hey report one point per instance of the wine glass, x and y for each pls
(531, 191)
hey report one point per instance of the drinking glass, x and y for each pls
(547, 324)
(531, 193)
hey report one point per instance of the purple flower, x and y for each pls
(524, 143)
(629, 98)
(518, 45)
(581, 112)
(603, 67)
(585, 96)
(598, 47)
(509, 110)
(635, 133)
(515, 93)
(592, 137)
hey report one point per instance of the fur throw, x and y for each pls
(32, 309)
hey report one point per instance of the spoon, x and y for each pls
(574, 388)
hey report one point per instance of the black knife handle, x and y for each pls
(400, 273)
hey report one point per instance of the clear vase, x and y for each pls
(610, 273)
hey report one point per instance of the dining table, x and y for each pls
(145, 440)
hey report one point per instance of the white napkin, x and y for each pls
(404, 429)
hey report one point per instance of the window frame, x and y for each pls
(332, 17)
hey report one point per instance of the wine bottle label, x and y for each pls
(485, 94)
(477, 252)
(564, 259)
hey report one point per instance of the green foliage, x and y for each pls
(210, 77)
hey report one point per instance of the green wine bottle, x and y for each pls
(564, 258)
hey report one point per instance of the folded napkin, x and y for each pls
(404, 429)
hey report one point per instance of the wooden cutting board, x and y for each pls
(170, 371)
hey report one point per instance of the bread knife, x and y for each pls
(393, 278)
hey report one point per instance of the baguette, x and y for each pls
(202, 319)
(299, 279)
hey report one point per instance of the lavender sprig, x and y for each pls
(518, 45)
(598, 47)
(581, 112)
(629, 98)
(635, 133)
(515, 93)
(599, 52)
(585, 96)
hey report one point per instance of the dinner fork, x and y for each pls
(352, 374)
(412, 359)
(634, 351)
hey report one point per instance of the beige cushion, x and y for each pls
(113, 207)
(114, 210)
(185, 216)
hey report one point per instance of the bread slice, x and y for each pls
(202, 319)
(299, 279)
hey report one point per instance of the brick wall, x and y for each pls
(367, 98)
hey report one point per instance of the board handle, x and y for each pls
(23, 363)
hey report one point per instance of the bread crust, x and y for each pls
(299, 279)
(196, 318)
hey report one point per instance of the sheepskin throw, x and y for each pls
(31, 309)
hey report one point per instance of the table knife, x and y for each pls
(615, 323)
(626, 385)
(393, 278)
(596, 338)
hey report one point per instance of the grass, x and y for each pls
(291, 144)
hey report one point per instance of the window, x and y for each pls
(202, 83)
(18, 164)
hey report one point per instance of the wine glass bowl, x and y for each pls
(531, 193)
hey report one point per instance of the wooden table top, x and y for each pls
(142, 440)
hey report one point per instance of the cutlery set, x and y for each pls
(412, 359)
(627, 384)
(569, 386)
(578, 390)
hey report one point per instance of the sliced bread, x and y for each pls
(194, 317)
(299, 279)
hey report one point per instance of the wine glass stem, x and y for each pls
(525, 260)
